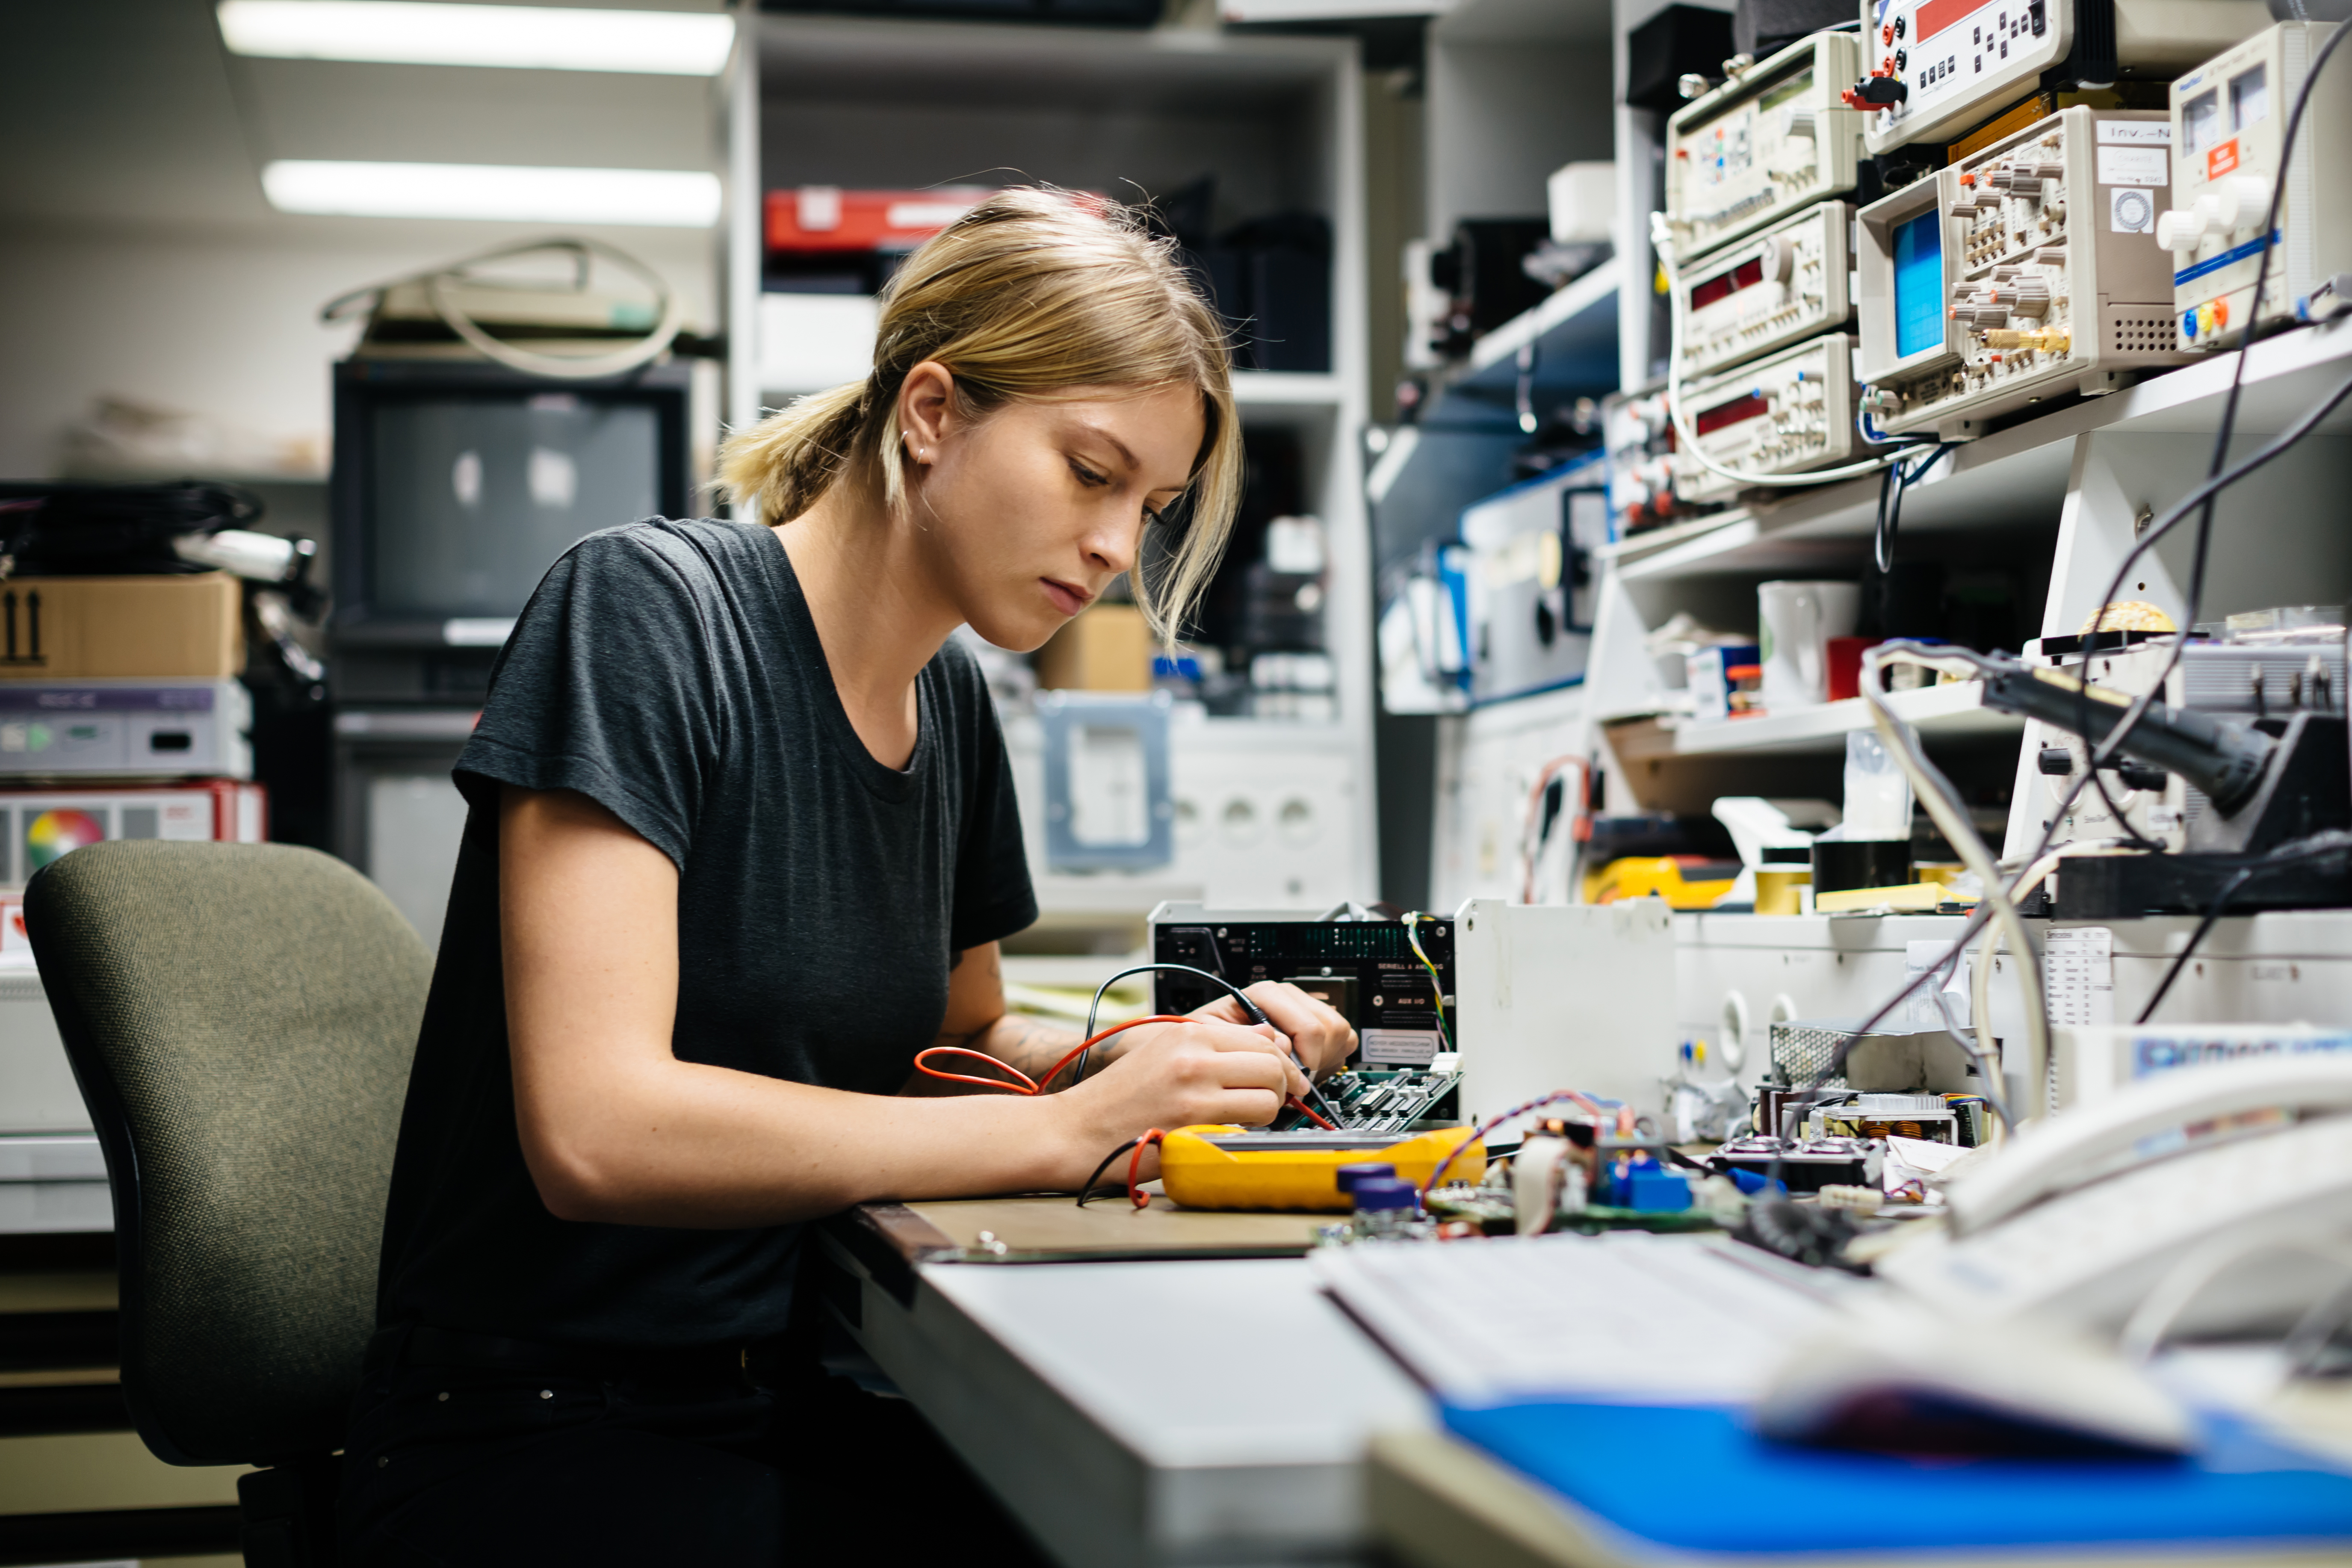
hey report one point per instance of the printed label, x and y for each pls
(1400, 1048)
(2135, 166)
(2221, 160)
(2146, 132)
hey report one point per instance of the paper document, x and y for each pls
(1621, 1317)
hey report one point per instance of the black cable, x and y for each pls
(1089, 1190)
(1898, 478)
(1256, 1017)
(2230, 890)
(2332, 842)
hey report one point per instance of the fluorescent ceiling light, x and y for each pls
(670, 198)
(535, 38)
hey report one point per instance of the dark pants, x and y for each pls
(451, 1467)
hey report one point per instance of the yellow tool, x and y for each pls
(1235, 1168)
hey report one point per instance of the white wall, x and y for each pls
(1502, 116)
(222, 322)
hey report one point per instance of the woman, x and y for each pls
(742, 841)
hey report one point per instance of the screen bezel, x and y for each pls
(1876, 226)
(362, 386)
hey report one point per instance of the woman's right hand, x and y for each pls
(1181, 1075)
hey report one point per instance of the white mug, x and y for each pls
(1794, 624)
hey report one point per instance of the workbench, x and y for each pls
(1181, 1410)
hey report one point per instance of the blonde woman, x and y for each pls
(742, 842)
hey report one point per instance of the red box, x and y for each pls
(821, 220)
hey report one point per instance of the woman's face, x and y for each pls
(1032, 510)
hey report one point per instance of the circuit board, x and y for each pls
(1396, 999)
(1387, 1100)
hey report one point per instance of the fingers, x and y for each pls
(1316, 1030)
(1258, 1055)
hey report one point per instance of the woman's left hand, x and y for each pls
(1316, 1031)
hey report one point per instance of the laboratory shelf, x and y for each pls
(2015, 477)
(1573, 334)
(1954, 710)
(1286, 389)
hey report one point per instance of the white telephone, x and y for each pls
(2217, 1197)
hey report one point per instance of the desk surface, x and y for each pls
(1158, 1413)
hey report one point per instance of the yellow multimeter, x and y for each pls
(1236, 1168)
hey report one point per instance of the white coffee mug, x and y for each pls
(1794, 623)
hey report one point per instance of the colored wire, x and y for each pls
(1587, 1101)
(1257, 1014)
(1256, 1017)
(1096, 1180)
(1301, 1107)
(1413, 920)
(1025, 1084)
(1135, 1195)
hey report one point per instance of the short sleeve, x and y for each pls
(606, 687)
(993, 896)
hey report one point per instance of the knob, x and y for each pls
(1779, 259)
(1796, 122)
(2177, 230)
(2056, 762)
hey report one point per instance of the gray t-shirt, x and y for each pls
(671, 671)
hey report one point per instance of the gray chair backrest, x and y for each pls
(241, 1019)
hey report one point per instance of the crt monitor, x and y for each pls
(456, 486)
(1904, 259)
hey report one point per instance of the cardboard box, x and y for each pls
(1106, 647)
(77, 629)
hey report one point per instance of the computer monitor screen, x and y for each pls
(477, 496)
(1919, 284)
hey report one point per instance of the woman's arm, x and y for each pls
(615, 1128)
(977, 1020)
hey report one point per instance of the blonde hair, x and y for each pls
(1030, 294)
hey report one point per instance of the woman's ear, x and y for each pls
(926, 408)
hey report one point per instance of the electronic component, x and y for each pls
(84, 727)
(1393, 1003)
(1939, 68)
(51, 822)
(1779, 288)
(2090, 1063)
(2270, 674)
(1786, 412)
(2021, 274)
(1230, 1168)
(2229, 124)
(1391, 1101)
(2258, 785)
(1772, 139)
(1927, 1116)
(1640, 441)
(1531, 582)
(1803, 1165)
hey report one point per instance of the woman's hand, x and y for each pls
(1184, 1075)
(1315, 1029)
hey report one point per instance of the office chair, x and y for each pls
(240, 1018)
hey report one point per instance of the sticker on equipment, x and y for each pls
(1399, 1047)
(2131, 211)
(2135, 166)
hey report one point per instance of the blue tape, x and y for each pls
(2227, 258)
